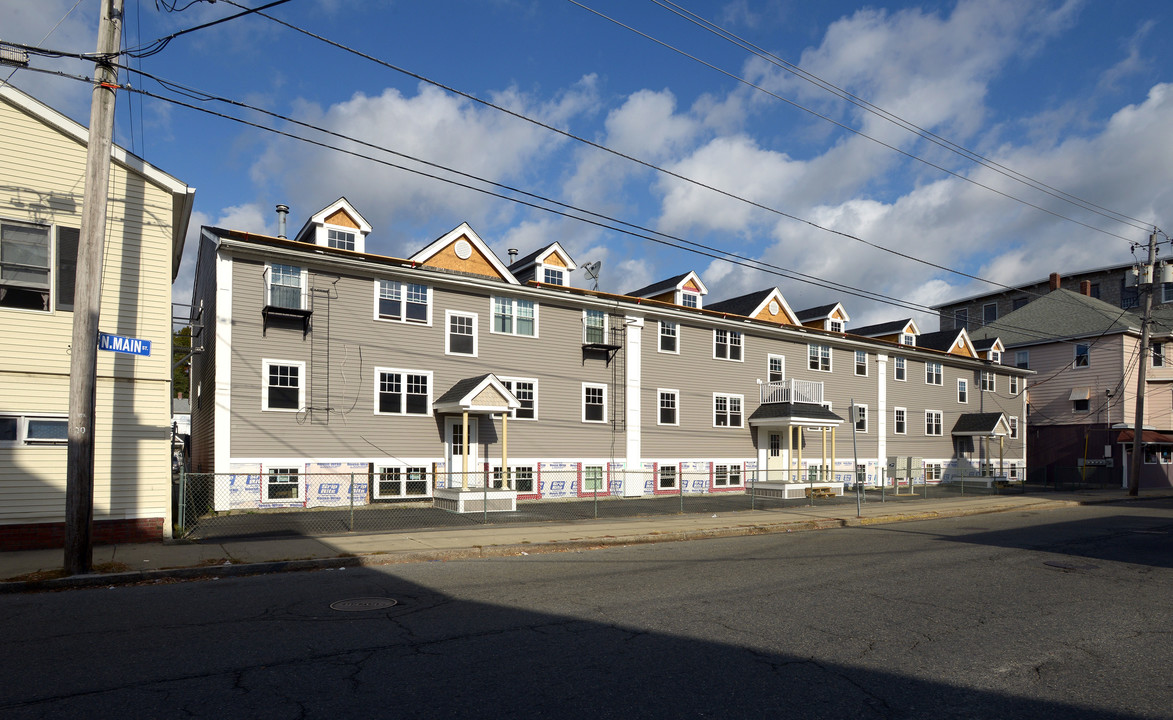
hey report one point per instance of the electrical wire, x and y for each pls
(157, 46)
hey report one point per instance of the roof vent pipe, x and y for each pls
(282, 212)
(512, 255)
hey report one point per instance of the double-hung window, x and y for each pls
(933, 422)
(669, 337)
(989, 381)
(1013, 384)
(397, 482)
(933, 374)
(776, 368)
(727, 345)
(669, 407)
(900, 421)
(818, 357)
(402, 392)
(526, 392)
(515, 317)
(1082, 355)
(962, 391)
(727, 410)
(29, 267)
(667, 477)
(404, 302)
(282, 485)
(1022, 359)
(462, 333)
(861, 363)
(592, 478)
(594, 327)
(727, 475)
(594, 403)
(901, 371)
(284, 385)
(285, 286)
(1013, 419)
(861, 418)
(1159, 354)
(907, 339)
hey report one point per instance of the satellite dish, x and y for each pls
(592, 272)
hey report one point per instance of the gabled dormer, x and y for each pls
(462, 251)
(990, 349)
(825, 317)
(686, 290)
(767, 305)
(338, 225)
(551, 265)
(903, 332)
(954, 342)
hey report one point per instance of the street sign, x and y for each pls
(122, 344)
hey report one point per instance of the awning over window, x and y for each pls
(1148, 436)
(1080, 393)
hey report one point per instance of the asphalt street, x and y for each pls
(1053, 614)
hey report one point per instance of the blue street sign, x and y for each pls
(128, 345)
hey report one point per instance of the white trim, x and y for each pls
(606, 323)
(633, 390)
(452, 236)
(403, 373)
(513, 315)
(403, 300)
(513, 390)
(222, 384)
(660, 336)
(775, 356)
(729, 344)
(938, 377)
(960, 382)
(1075, 356)
(302, 279)
(676, 406)
(895, 424)
(302, 381)
(448, 315)
(741, 412)
(855, 424)
(993, 378)
(22, 422)
(830, 358)
(855, 363)
(900, 362)
(939, 414)
(583, 402)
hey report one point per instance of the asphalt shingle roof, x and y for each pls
(742, 304)
(982, 423)
(657, 288)
(460, 389)
(941, 340)
(1061, 314)
(884, 328)
(804, 411)
(815, 313)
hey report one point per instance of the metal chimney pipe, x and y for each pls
(512, 255)
(282, 212)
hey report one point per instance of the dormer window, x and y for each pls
(340, 239)
(907, 339)
(995, 357)
(554, 276)
(690, 299)
(835, 325)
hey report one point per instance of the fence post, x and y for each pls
(680, 486)
(351, 502)
(182, 501)
(753, 483)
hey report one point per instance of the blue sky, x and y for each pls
(1072, 94)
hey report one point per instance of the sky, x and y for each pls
(667, 133)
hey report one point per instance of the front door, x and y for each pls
(455, 441)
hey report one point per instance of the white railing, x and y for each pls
(792, 391)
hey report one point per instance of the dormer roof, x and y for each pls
(768, 305)
(549, 256)
(461, 250)
(893, 330)
(670, 290)
(954, 342)
(339, 215)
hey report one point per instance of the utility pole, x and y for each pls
(1138, 420)
(83, 361)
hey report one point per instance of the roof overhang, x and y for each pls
(482, 394)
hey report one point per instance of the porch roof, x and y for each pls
(981, 424)
(1148, 436)
(792, 413)
(480, 394)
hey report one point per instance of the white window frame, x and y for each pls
(899, 369)
(934, 373)
(734, 340)
(21, 422)
(666, 470)
(833, 325)
(513, 315)
(402, 373)
(675, 326)
(406, 473)
(770, 358)
(1013, 421)
(660, 394)
(727, 397)
(403, 290)
(690, 295)
(996, 356)
(511, 384)
(517, 472)
(1157, 354)
(933, 471)
(899, 418)
(908, 339)
(598, 484)
(864, 364)
(448, 316)
(302, 279)
(1013, 384)
(277, 470)
(1086, 355)
(821, 352)
(723, 475)
(266, 363)
(331, 231)
(938, 422)
(56, 277)
(861, 416)
(962, 391)
(989, 381)
(590, 313)
(583, 397)
(553, 269)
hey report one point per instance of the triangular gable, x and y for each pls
(692, 283)
(962, 345)
(981, 425)
(774, 308)
(462, 250)
(481, 394)
(911, 328)
(343, 214)
(556, 256)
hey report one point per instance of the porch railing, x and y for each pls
(792, 391)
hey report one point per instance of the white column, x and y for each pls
(633, 481)
(882, 410)
(220, 394)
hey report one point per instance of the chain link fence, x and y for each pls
(288, 502)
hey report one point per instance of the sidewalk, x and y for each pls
(30, 570)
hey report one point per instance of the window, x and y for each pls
(727, 475)
(667, 477)
(592, 478)
(907, 339)
(594, 403)
(341, 239)
(818, 357)
(1012, 473)
(1129, 297)
(689, 299)
(462, 333)
(900, 421)
(284, 386)
(933, 374)
(515, 317)
(1013, 427)
(727, 345)
(932, 422)
(669, 407)
(1094, 290)
(526, 391)
(669, 337)
(553, 276)
(1013, 384)
(900, 370)
(995, 357)
(776, 368)
(521, 478)
(726, 410)
(33, 430)
(1022, 359)
(402, 392)
(962, 390)
(282, 485)
(989, 381)
(933, 472)
(285, 286)
(1166, 292)
(1158, 355)
(1082, 355)
(861, 363)
(989, 313)
(1081, 405)
(594, 326)
(775, 445)
(861, 418)
(405, 302)
(394, 482)
(835, 325)
(25, 262)
(961, 319)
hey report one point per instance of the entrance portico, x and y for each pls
(464, 405)
(782, 431)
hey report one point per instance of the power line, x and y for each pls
(157, 46)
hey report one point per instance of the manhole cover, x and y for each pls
(362, 604)
(1070, 566)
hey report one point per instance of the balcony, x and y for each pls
(791, 391)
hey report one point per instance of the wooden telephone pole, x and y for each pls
(83, 362)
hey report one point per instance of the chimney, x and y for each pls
(1085, 288)
(282, 212)
(512, 255)
(1055, 281)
